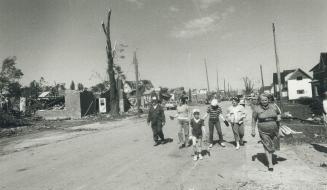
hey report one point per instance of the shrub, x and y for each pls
(7, 120)
(316, 106)
(305, 100)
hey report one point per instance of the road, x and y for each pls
(120, 155)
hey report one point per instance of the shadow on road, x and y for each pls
(167, 140)
(205, 152)
(263, 159)
(319, 148)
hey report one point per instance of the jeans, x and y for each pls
(216, 124)
(238, 130)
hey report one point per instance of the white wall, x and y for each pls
(295, 85)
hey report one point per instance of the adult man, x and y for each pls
(156, 118)
(325, 109)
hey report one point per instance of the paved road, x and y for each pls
(120, 155)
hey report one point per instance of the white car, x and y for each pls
(171, 105)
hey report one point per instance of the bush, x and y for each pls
(316, 107)
(305, 100)
(7, 120)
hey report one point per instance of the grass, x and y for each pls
(298, 110)
(311, 132)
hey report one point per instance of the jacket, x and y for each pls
(156, 115)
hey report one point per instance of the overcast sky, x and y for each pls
(62, 40)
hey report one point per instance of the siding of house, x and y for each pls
(299, 88)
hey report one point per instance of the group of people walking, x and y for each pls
(191, 127)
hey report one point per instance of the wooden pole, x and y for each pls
(228, 89)
(262, 83)
(217, 82)
(278, 68)
(225, 87)
(205, 64)
(138, 100)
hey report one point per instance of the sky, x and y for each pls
(62, 40)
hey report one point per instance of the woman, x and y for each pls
(214, 112)
(267, 117)
(183, 121)
(236, 115)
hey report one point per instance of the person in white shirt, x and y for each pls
(325, 109)
(235, 115)
(183, 117)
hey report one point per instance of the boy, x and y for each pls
(198, 130)
(157, 119)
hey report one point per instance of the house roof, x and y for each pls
(296, 73)
(283, 75)
(322, 60)
(44, 94)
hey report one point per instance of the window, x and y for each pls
(299, 78)
(300, 91)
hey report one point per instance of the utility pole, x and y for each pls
(262, 83)
(278, 69)
(228, 89)
(205, 64)
(217, 82)
(225, 87)
(138, 100)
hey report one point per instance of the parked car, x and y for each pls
(171, 105)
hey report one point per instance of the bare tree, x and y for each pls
(114, 98)
(248, 85)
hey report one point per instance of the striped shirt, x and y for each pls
(214, 113)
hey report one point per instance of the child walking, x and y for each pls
(198, 131)
(235, 115)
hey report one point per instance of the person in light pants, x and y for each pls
(325, 109)
(235, 115)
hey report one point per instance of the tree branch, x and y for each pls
(104, 28)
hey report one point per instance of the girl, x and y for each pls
(235, 115)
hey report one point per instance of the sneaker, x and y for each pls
(237, 147)
(200, 156)
(210, 145)
(222, 144)
(157, 143)
(195, 158)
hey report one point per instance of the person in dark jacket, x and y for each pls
(157, 120)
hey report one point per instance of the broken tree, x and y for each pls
(114, 98)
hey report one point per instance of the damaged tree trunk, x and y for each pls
(114, 100)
